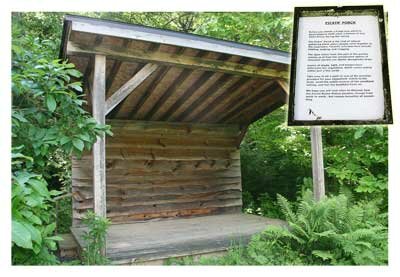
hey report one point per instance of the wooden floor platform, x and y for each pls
(157, 240)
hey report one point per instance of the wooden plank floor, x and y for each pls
(162, 239)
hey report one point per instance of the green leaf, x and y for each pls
(74, 72)
(76, 86)
(359, 133)
(78, 144)
(85, 137)
(21, 236)
(23, 177)
(39, 186)
(55, 238)
(324, 255)
(49, 229)
(51, 103)
(35, 233)
(34, 200)
(64, 140)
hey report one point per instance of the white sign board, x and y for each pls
(339, 70)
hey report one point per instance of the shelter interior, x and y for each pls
(179, 106)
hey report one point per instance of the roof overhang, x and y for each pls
(162, 75)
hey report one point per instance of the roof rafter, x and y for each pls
(121, 53)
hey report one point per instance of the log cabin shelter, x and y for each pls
(179, 106)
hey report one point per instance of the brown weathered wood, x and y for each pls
(118, 96)
(157, 183)
(174, 129)
(267, 110)
(99, 158)
(122, 77)
(217, 101)
(317, 163)
(169, 238)
(117, 52)
(137, 111)
(284, 85)
(245, 113)
(241, 136)
(158, 168)
(150, 165)
(153, 201)
(257, 94)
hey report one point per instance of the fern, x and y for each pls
(332, 231)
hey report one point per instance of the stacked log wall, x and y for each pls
(161, 170)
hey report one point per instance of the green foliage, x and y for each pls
(264, 206)
(357, 158)
(277, 159)
(334, 231)
(64, 216)
(269, 29)
(95, 239)
(329, 232)
(32, 216)
(48, 125)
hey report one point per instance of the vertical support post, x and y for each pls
(317, 163)
(99, 153)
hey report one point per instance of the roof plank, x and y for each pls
(117, 52)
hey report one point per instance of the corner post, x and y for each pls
(99, 153)
(317, 163)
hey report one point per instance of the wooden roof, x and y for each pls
(177, 77)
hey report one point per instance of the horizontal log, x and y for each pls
(162, 165)
(159, 183)
(169, 154)
(155, 201)
(133, 179)
(179, 60)
(170, 143)
(156, 192)
(120, 211)
(170, 169)
(173, 129)
(166, 214)
(149, 175)
(166, 207)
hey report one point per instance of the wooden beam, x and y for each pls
(99, 153)
(129, 86)
(117, 52)
(284, 85)
(317, 163)
(243, 131)
(135, 32)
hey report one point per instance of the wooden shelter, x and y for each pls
(179, 106)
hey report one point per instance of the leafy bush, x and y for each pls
(48, 124)
(32, 216)
(95, 239)
(357, 158)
